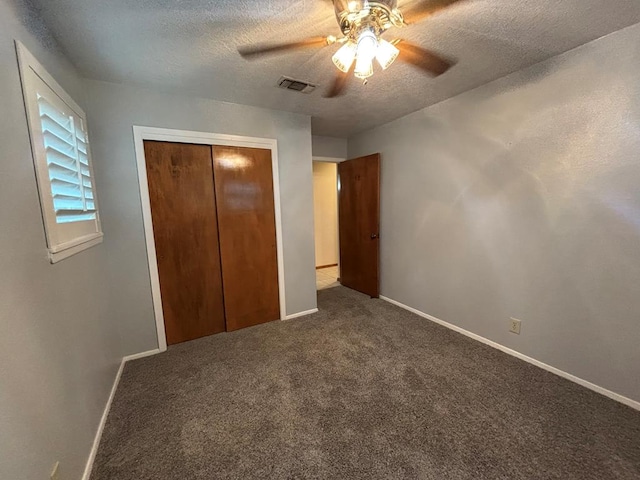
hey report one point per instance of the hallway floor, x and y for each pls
(327, 277)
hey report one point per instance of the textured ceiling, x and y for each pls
(191, 46)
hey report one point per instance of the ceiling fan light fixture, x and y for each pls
(363, 23)
(344, 57)
(386, 53)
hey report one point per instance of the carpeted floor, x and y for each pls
(360, 390)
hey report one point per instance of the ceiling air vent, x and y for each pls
(296, 85)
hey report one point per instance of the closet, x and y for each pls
(214, 230)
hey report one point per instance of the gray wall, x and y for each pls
(112, 111)
(59, 347)
(329, 147)
(521, 198)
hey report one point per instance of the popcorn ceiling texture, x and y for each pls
(191, 46)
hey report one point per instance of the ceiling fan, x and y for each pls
(362, 23)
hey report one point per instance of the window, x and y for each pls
(62, 158)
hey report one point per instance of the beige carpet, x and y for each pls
(361, 390)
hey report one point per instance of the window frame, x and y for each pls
(63, 239)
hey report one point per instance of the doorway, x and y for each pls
(359, 220)
(347, 223)
(226, 151)
(325, 215)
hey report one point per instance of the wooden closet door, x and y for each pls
(183, 209)
(246, 221)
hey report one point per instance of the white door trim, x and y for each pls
(140, 134)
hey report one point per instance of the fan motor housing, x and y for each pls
(355, 15)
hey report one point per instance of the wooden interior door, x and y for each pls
(359, 223)
(246, 221)
(183, 209)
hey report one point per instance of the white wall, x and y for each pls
(325, 212)
(59, 347)
(330, 147)
(521, 198)
(113, 110)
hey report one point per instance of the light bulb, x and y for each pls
(345, 56)
(366, 52)
(367, 45)
(386, 53)
(364, 68)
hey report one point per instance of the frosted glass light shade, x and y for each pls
(344, 57)
(386, 54)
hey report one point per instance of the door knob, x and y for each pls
(374, 236)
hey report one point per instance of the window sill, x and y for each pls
(87, 242)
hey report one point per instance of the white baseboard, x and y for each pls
(591, 386)
(136, 356)
(300, 314)
(105, 413)
(103, 420)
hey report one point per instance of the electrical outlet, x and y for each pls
(514, 325)
(54, 472)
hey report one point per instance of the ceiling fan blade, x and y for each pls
(254, 51)
(339, 84)
(422, 58)
(421, 9)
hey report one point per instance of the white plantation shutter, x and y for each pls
(66, 146)
(60, 145)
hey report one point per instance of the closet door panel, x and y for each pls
(185, 229)
(246, 220)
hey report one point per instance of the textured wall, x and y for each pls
(113, 110)
(521, 198)
(59, 347)
(325, 212)
(329, 147)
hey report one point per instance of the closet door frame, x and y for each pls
(140, 134)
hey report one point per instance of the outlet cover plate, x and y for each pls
(514, 325)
